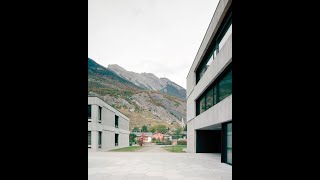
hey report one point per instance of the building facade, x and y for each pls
(209, 89)
(107, 128)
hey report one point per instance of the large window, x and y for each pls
(89, 111)
(116, 123)
(217, 43)
(217, 91)
(89, 137)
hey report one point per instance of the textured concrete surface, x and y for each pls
(164, 166)
(152, 149)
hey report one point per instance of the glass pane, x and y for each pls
(225, 37)
(209, 99)
(229, 141)
(99, 140)
(89, 111)
(229, 156)
(202, 105)
(89, 137)
(215, 95)
(225, 86)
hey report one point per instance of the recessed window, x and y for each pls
(99, 138)
(116, 122)
(89, 137)
(89, 111)
(116, 139)
(100, 113)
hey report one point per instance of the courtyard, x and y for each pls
(154, 163)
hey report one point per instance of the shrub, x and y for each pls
(182, 142)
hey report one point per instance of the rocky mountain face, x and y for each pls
(149, 81)
(144, 97)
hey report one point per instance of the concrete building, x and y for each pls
(209, 89)
(107, 127)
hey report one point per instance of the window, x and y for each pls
(225, 86)
(216, 92)
(89, 111)
(217, 43)
(229, 143)
(116, 121)
(99, 138)
(202, 104)
(99, 113)
(116, 139)
(209, 99)
(89, 137)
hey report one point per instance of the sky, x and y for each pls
(153, 36)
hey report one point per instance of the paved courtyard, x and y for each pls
(156, 166)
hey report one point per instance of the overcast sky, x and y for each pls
(154, 36)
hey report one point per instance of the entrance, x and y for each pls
(208, 141)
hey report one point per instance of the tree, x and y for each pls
(144, 128)
(161, 128)
(152, 129)
(135, 129)
(141, 140)
(177, 133)
(132, 137)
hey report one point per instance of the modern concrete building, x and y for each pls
(209, 89)
(107, 127)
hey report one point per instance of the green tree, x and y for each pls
(144, 128)
(135, 129)
(152, 129)
(161, 128)
(132, 137)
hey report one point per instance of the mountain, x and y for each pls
(138, 96)
(149, 81)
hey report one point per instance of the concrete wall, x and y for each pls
(221, 61)
(107, 126)
(218, 16)
(222, 111)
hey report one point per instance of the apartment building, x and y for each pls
(107, 128)
(209, 89)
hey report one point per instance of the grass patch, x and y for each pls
(127, 149)
(175, 149)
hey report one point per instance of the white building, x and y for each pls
(209, 89)
(107, 127)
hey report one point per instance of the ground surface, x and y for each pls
(155, 163)
(128, 149)
(177, 148)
